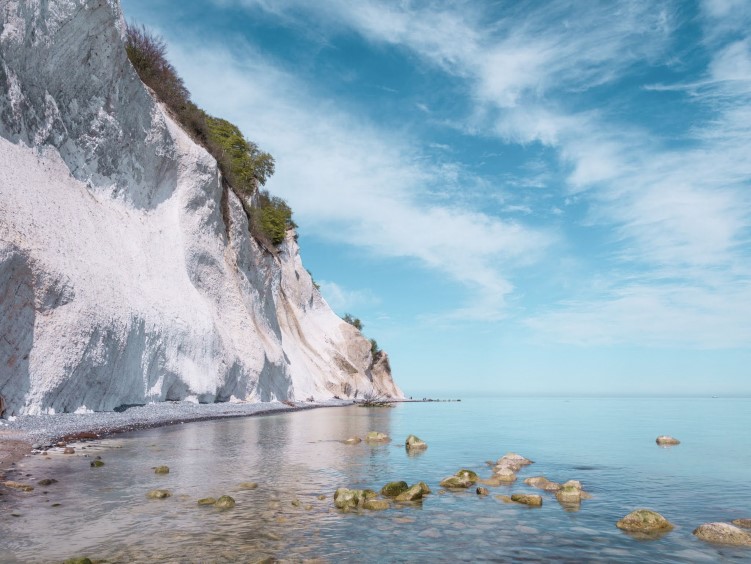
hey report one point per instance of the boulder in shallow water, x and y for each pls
(482, 491)
(393, 489)
(743, 523)
(377, 437)
(69, 450)
(723, 533)
(644, 521)
(513, 460)
(455, 482)
(415, 443)
(97, 463)
(412, 494)
(467, 475)
(533, 500)
(542, 483)
(207, 501)
(504, 474)
(225, 502)
(425, 488)
(666, 440)
(158, 494)
(47, 482)
(376, 504)
(161, 470)
(247, 485)
(352, 441)
(571, 493)
(369, 494)
(345, 498)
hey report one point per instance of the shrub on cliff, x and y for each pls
(242, 164)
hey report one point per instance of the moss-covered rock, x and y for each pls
(393, 489)
(415, 443)
(467, 475)
(97, 463)
(247, 485)
(414, 493)
(455, 482)
(533, 500)
(504, 474)
(425, 488)
(161, 470)
(370, 494)
(644, 521)
(376, 504)
(224, 502)
(47, 482)
(723, 533)
(345, 498)
(207, 501)
(158, 494)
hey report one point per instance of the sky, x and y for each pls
(516, 198)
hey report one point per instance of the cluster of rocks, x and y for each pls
(648, 523)
(398, 492)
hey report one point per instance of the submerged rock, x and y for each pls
(18, 486)
(158, 494)
(504, 498)
(47, 482)
(542, 483)
(666, 440)
(225, 502)
(207, 501)
(376, 504)
(504, 474)
(482, 491)
(369, 494)
(644, 521)
(415, 443)
(161, 470)
(248, 486)
(425, 488)
(377, 437)
(352, 441)
(723, 533)
(393, 489)
(533, 500)
(743, 523)
(97, 463)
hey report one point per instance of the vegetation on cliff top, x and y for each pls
(243, 165)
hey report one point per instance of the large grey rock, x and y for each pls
(723, 533)
(644, 521)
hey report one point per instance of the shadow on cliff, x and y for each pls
(17, 316)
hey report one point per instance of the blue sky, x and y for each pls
(515, 197)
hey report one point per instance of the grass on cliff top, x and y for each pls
(243, 165)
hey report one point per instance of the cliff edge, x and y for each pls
(127, 271)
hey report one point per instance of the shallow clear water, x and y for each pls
(608, 444)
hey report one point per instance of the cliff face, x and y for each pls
(127, 273)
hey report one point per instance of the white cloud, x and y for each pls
(353, 183)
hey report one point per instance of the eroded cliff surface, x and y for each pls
(127, 272)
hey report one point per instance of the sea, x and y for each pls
(299, 459)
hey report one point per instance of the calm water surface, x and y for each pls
(608, 444)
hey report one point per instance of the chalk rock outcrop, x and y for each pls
(127, 272)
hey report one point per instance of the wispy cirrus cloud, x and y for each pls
(677, 215)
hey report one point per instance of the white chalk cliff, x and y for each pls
(127, 272)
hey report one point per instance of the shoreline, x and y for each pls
(29, 433)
